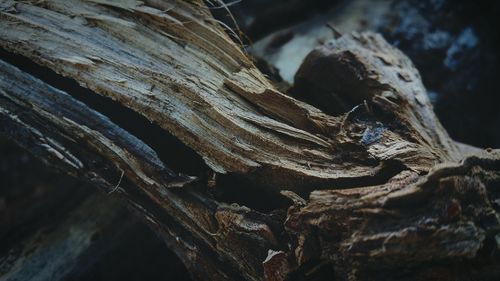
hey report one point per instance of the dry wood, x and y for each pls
(185, 74)
(82, 142)
(384, 177)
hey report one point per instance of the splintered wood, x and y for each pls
(377, 189)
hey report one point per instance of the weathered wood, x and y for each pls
(390, 231)
(354, 68)
(407, 228)
(204, 233)
(351, 175)
(185, 74)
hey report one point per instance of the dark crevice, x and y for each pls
(314, 269)
(174, 154)
(389, 169)
(234, 188)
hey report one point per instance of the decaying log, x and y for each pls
(372, 181)
(232, 117)
(82, 142)
(443, 226)
(390, 231)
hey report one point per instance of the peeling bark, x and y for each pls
(440, 226)
(233, 117)
(378, 189)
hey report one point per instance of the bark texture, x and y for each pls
(377, 188)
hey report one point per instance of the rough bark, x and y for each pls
(371, 181)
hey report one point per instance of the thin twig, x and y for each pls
(118, 184)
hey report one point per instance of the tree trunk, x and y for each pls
(372, 187)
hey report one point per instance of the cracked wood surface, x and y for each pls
(359, 173)
(80, 141)
(172, 63)
(407, 228)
